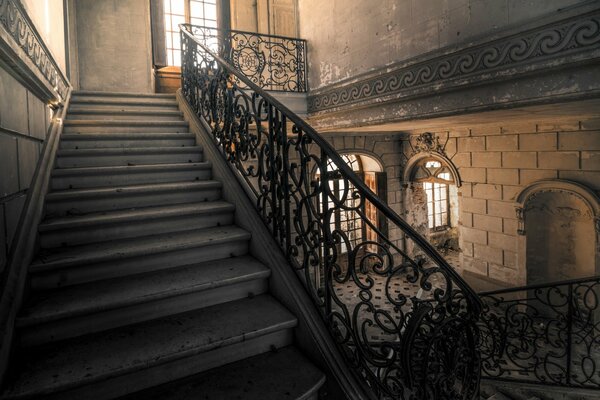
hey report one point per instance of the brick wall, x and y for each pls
(495, 164)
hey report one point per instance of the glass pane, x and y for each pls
(196, 9)
(210, 24)
(444, 206)
(178, 7)
(432, 164)
(429, 208)
(444, 218)
(167, 6)
(175, 21)
(176, 41)
(197, 21)
(177, 58)
(438, 219)
(169, 41)
(427, 186)
(210, 12)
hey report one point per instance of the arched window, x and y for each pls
(436, 178)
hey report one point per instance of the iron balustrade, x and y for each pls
(546, 334)
(274, 63)
(403, 318)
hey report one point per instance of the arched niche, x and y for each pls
(559, 225)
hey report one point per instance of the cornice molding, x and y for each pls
(20, 30)
(535, 49)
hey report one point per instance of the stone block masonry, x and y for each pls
(24, 121)
(495, 163)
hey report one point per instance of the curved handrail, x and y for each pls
(222, 104)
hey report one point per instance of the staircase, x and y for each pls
(143, 286)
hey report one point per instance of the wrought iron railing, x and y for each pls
(272, 62)
(402, 317)
(546, 334)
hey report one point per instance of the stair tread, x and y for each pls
(126, 135)
(128, 248)
(108, 151)
(284, 374)
(99, 356)
(109, 294)
(130, 189)
(113, 169)
(119, 216)
(122, 94)
(91, 110)
(82, 122)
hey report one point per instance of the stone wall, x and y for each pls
(48, 17)
(342, 34)
(24, 122)
(495, 163)
(114, 45)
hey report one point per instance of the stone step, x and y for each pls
(129, 359)
(90, 177)
(99, 126)
(125, 114)
(107, 260)
(117, 105)
(83, 201)
(124, 139)
(276, 375)
(124, 224)
(100, 95)
(96, 306)
(73, 158)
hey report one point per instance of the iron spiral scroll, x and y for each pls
(402, 317)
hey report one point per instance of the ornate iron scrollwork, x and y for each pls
(546, 334)
(398, 316)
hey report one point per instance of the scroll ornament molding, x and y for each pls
(428, 142)
(563, 38)
(19, 27)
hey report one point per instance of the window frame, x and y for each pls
(172, 35)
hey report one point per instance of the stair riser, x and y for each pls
(136, 265)
(103, 144)
(170, 371)
(90, 181)
(135, 159)
(131, 229)
(124, 116)
(126, 128)
(90, 323)
(123, 201)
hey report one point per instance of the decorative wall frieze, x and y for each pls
(468, 65)
(15, 21)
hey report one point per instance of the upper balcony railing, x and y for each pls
(400, 314)
(548, 334)
(272, 62)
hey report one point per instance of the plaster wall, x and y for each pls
(346, 38)
(114, 45)
(48, 17)
(24, 122)
(495, 163)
